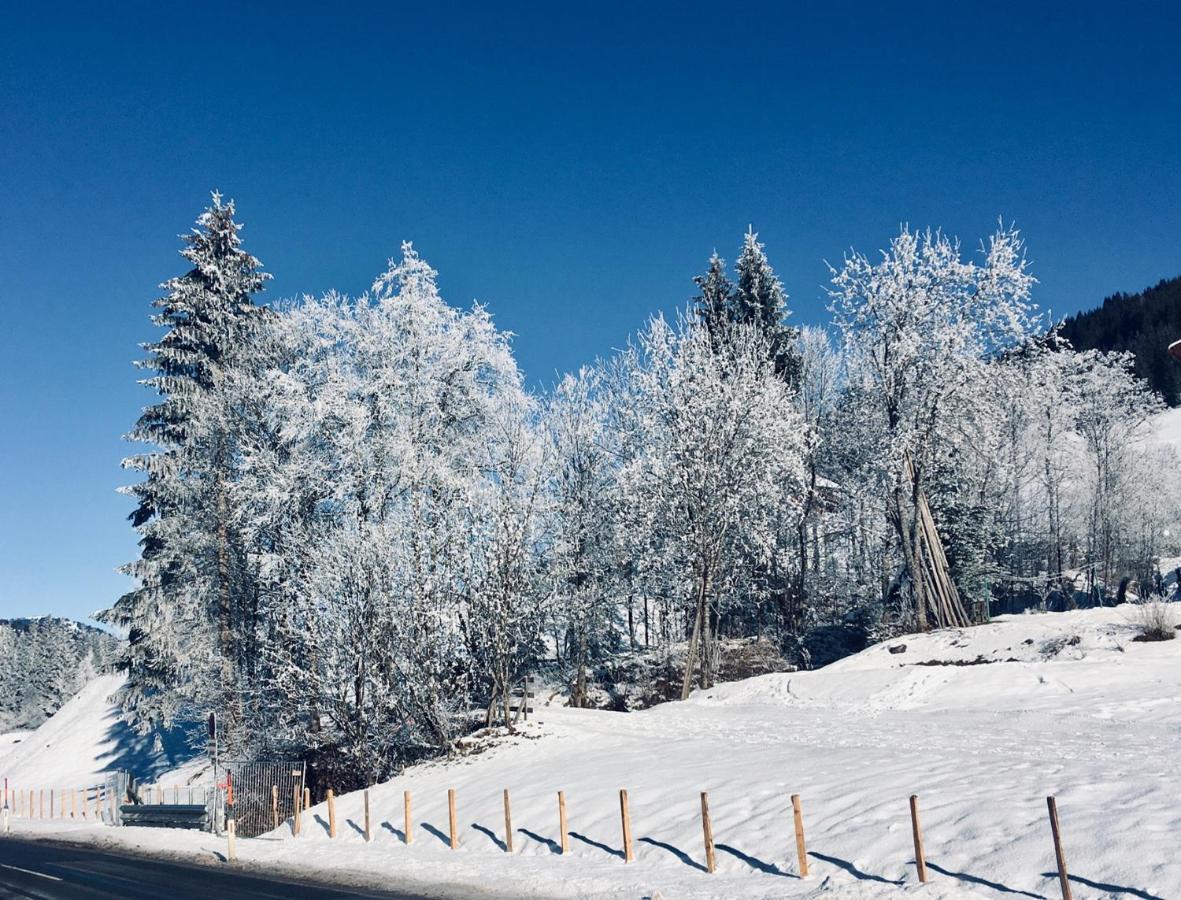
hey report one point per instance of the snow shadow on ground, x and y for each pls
(143, 755)
(485, 830)
(596, 844)
(675, 851)
(1109, 888)
(982, 882)
(755, 863)
(851, 869)
(431, 829)
(548, 842)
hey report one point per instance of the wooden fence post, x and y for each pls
(51, 803)
(626, 818)
(274, 804)
(562, 822)
(1063, 879)
(73, 803)
(801, 849)
(368, 833)
(407, 823)
(920, 859)
(307, 798)
(508, 825)
(41, 805)
(708, 832)
(331, 814)
(451, 818)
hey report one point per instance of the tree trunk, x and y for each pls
(694, 640)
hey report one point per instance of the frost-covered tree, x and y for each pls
(582, 562)
(389, 506)
(1111, 408)
(919, 325)
(183, 615)
(721, 453)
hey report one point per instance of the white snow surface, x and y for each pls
(1064, 704)
(81, 743)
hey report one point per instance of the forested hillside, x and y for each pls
(1144, 324)
(43, 663)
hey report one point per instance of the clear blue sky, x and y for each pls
(570, 165)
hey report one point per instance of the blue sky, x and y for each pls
(571, 166)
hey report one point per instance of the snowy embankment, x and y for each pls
(982, 724)
(82, 743)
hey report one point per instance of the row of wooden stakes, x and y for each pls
(30, 803)
(626, 826)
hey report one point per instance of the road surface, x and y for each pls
(50, 871)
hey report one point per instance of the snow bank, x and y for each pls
(981, 723)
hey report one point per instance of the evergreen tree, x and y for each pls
(760, 300)
(182, 615)
(714, 305)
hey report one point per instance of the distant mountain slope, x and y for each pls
(1144, 323)
(43, 663)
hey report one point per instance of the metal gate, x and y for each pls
(263, 794)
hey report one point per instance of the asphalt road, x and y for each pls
(49, 871)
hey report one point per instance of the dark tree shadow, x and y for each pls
(1110, 888)
(357, 828)
(679, 854)
(983, 882)
(491, 835)
(769, 868)
(139, 754)
(396, 832)
(446, 839)
(596, 844)
(852, 869)
(554, 846)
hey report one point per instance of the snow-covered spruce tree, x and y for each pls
(722, 449)
(760, 300)
(918, 327)
(714, 306)
(182, 617)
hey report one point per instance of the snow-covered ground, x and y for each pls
(1064, 704)
(85, 739)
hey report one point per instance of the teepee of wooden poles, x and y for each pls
(933, 578)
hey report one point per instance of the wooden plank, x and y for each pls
(1060, 856)
(407, 825)
(508, 825)
(562, 822)
(920, 860)
(452, 819)
(801, 849)
(708, 833)
(368, 830)
(625, 817)
(331, 814)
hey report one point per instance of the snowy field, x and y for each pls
(1063, 704)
